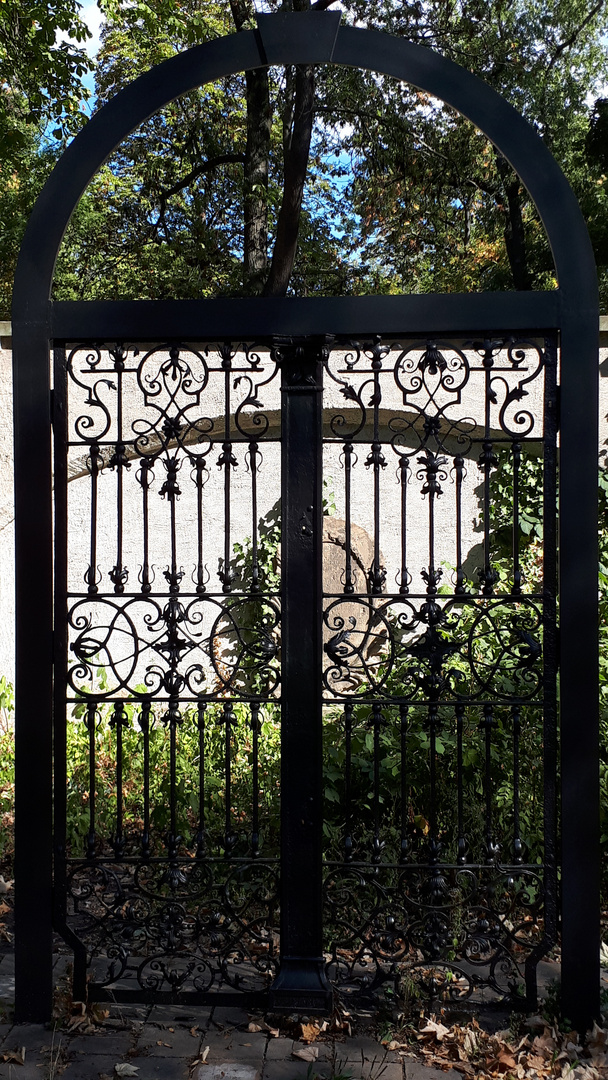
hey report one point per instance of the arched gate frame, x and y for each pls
(571, 311)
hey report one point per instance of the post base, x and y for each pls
(301, 986)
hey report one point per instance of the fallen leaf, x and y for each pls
(194, 1032)
(5, 886)
(16, 1057)
(435, 1030)
(310, 1032)
(254, 1027)
(126, 1070)
(308, 1053)
(505, 1062)
(470, 1042)
(98, 1013)
(204, 1054)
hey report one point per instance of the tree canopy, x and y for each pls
(328, 180)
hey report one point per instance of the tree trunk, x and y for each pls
(515, 237)
(296, 164)
(257, 152)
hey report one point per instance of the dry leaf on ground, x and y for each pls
(433, 1030)
(15, 1057)
(309, 1032)
(123, 1069)
(307, 1053)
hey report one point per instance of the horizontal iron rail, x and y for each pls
(250, 317)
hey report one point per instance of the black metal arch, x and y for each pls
(292, 38)
(298, 38)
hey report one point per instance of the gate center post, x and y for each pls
(301, 984)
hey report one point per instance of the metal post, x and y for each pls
(33, 683)
(301, 984)
(579, 670)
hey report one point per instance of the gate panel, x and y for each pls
(439, 680)
(167, 670)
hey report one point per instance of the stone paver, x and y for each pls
(115, 1045)
(32, 1036)
(87, 1068)
(231, 1071)
(162, 1042)
(293, 1070)
(229, 1017)
(279, 1049)
(325, 1051)
(236, 1046)
(154, 1068)
(172, 1016)
(416, 1070)
(29, 1071)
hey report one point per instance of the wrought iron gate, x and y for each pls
(404, 685)
(177, 654)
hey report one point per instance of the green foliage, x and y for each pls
(187, 774)
(41, 67)
(401, 193)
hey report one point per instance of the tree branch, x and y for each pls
(571, 39)
(207, 166)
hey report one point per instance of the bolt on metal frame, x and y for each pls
(572, 310)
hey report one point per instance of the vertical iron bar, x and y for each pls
(60, 642)
(144, 478)
(348, 821)
(433, 838)
(229, 719)
(580, 847)
(301, 984)
(517, 844)
(459, 467)
(404, 466)
(118, 573)
(117, 721)
(487, 462)
(34, 666)
(516, 449)
(255, 566)
(199, 465)
(173, 840)
(461, 844)
(403, 716)
(200, 836)
(91, 723)
(349, 586)
(93, 462)
(255, 818)
(487, 722)
(377, 460)
(377, 722)
(227, 461)
(144, 723)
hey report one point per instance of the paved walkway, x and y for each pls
(165, 1043)
(188, 1043)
